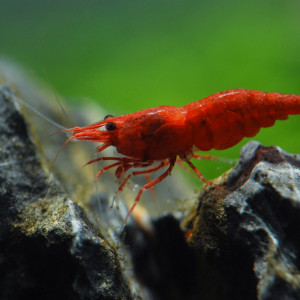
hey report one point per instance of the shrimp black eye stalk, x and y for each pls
(154, 138)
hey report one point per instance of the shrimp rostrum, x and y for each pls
(153, 138)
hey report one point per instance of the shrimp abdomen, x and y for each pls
(222, 120)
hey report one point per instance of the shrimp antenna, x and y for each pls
(17, 99)
(57, 100)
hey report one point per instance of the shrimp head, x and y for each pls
(152, 134)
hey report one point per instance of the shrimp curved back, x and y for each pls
(222, 120)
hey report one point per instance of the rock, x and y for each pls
(248, 235)
(48, 247)
(240, 243)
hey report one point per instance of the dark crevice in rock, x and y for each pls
(163, 261)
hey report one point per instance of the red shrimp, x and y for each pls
(154, 138)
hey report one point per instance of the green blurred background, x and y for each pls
(130, 54)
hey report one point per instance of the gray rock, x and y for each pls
(248, 235)
(48, 248)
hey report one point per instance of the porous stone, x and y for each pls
(248, 234)
(240, 242)
(48, 248)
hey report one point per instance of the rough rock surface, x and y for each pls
(48, 248)
(248, 235)
(240, 243)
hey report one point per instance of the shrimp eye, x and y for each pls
(110, 126)
(108, 116)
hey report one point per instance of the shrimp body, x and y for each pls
(222, 120)
(161, 134)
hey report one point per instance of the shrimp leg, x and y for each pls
(147, 171)
(120, 161)
(123, 168)
(154, 169)
(171, 163)
(101, 148)
(199, 174)
(135, 173)
(107, 168)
